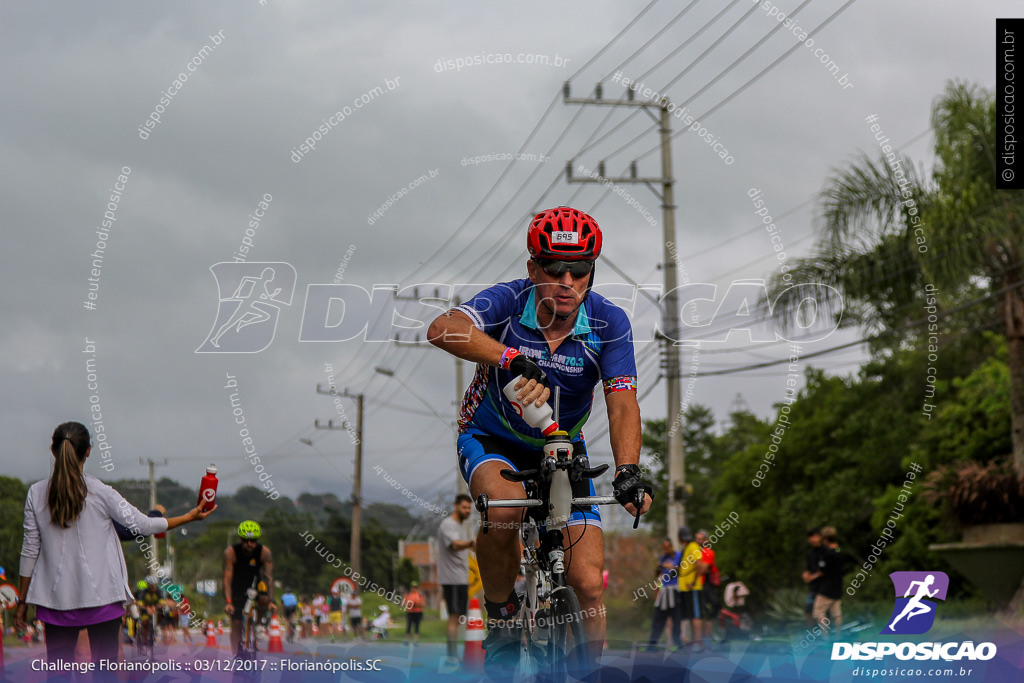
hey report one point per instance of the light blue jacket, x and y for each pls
(81, 565)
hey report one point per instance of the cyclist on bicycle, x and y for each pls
(247, 564)
(290, 604)
(147, 597)
(551, 329)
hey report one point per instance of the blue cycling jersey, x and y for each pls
(600, 349)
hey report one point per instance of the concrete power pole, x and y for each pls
(355, 552)
(152, 499)
(670, 310)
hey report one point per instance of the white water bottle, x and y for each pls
(534, 416)
(561, 489)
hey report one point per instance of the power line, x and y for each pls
(871, 338)
(682, 45)
(778, 26)
(646, 45)
(759, 74)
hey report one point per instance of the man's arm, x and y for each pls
(624, 433)
(624, 426)
(229, 572)
(454, 332)
(268, 571)
(451, 540)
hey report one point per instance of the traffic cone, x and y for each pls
(275, 644)
(473, 656)
(211, 635)
(220, 627)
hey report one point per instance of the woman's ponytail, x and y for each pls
(67, 489)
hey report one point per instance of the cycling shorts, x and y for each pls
(476, 448)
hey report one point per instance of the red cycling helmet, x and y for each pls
(564, 234)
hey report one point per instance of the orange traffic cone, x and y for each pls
(220, 627)
(275, 644)
(211, 636)
(473, 656)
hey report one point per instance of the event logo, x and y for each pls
(914, 612)
(251, 294)
(250, 299)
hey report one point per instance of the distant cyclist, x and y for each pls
(147, 597)
(555, 332)
(290, 603)
(247, 564)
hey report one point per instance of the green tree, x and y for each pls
(890, 236)
(12, 515)
(705, 456)
(406, 573)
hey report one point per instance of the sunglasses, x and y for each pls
(558, 268)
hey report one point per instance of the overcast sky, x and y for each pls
(81, 81)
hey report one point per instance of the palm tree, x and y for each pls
(888, 235)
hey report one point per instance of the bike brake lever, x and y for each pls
(639, 503)
(481, 506)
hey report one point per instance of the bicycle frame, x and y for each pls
(247, 643)
(548, 505)
(145, 634)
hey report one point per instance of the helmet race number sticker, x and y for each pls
(564, 237)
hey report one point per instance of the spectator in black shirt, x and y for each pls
(812, 573)
(833, 562)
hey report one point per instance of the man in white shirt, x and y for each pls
(453, 566)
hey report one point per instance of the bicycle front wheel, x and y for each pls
(250, 635)
(567, 647)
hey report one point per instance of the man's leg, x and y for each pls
(677, 618)
(685, 599)
(498, 551)
(698, 617)
(453, 634)
(236, 634)
(657, 625)
(837, 610)
(584, 564)
(708, 611)
(821, 605)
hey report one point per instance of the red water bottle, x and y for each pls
(208, 488)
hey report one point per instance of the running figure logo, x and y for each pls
(914, 612)
(251, 296)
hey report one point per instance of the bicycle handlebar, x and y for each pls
(484, 503)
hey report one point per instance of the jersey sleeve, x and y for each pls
(618, 364)
(493, 307)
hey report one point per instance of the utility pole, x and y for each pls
(460, 381)
(670, 311)
(152, 499)
(357, 478)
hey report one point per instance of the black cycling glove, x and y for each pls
(627, 482)
(521, 365)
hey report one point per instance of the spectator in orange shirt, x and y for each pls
(414, 602)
